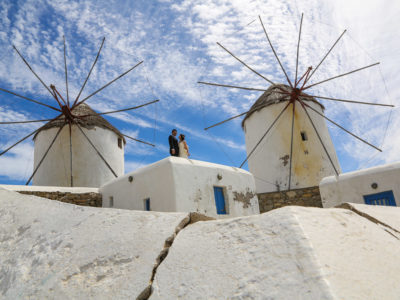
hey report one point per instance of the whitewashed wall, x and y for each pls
(352, 186)
(270, 162)
(89, 170)
(51, 189)
(183, 185)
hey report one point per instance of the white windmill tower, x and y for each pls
(87, 169)
(78, 147)
(287, 141)
(291, 158)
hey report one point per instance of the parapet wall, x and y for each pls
(73, 195)
(301, 197)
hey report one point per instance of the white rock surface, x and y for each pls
(289, 253)
(389, 215)
(38, 188)
(55, 250)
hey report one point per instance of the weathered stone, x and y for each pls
(50, 249)
(85, 199)
(301, 197)
(290, 253)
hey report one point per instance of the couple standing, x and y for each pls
(180, 149)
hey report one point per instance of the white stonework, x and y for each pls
(51, 189)
(352, 186)
(54, 250)
(183, 185)
(389, 215)
(89, 170)
(288, 253)
(271, 160)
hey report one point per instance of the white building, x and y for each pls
(270, 162)
(177, 184)
(88, 169)
(378, 186)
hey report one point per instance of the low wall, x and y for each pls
(74, 195)
(353, 186)
(301, 197)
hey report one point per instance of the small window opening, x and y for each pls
(220, 200)
(147, 204)
(120, 143)
(111, 201)
(304, 136)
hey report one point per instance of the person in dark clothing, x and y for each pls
(173, 143)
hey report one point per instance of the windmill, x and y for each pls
(77, 119)
(293, 101)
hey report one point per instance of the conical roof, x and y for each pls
(273, 95)
(88, 122)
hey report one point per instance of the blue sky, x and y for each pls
(177, 41)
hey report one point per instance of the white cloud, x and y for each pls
(17, 163)
(178, 46)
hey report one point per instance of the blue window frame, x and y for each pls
(219, 200)
(147, 204)
(383, 198)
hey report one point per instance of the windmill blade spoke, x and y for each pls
(273, 50)
(291, 147)
(34, 73)
(29, 99)
(269, 128)
(45, 154)
(349, 101)
(102, 88)
(121, 110)
(320, 139)
(23, 139)
(66, 72)
(297, 56)
(227, 120)
(97, 151)
(24, 122)
(243, 63)
(232, 86)
(70, 154)
(326, 55)
(341, 127)
(90, 72)
(341, 75)
(59, 95)
(137, 140)
(234, 117)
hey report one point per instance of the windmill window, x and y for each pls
(304, 136)
(120, 143)
(111, 201)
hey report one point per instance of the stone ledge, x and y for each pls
(84, 199)
(309, 197)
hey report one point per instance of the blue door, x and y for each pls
(147, 204)
(384, 198)
(219, 200)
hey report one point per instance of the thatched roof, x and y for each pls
(87, 122)
(272, 96)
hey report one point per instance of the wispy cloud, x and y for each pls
(177, 41)
(18, 163)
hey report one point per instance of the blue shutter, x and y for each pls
(384, 198)
(219, 200)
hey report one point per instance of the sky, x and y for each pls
(176, 40)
